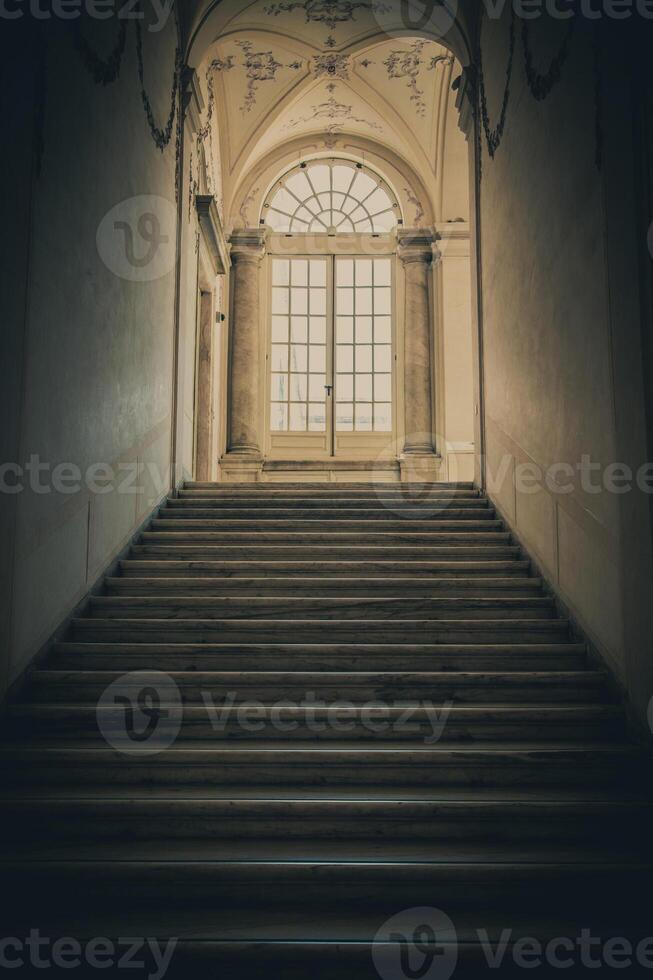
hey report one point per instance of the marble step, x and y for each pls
(388, 814)
(304, 764)
(349, 488)
(185, 551)
(292, 608)
(318, 656)
(389, 687)
(214, 630)
(307, 539)
(252, 527)
(373, 588)
(427, 724)
(435, 571)
(329, 506)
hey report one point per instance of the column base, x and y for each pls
(241, 468)
(420, 468)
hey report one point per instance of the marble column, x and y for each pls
(247, 250)
(416, 251)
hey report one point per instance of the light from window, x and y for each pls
(331, 197)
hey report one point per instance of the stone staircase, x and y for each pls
(362, 701)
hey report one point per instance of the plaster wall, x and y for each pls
(93, 348)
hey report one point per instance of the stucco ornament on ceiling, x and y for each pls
(331, 64)
(407, 63)
(337, 112)
(261, 66)
(329, 12)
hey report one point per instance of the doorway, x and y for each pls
(331, 359)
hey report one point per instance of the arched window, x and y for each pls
(331, 196)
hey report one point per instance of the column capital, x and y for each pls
(418, 245)
(248, 244)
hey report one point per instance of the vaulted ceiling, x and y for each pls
(321, 72)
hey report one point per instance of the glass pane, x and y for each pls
(345, 330)
(382, 301)
(383, 387)
(363, 358)
(359, 214)
(363, 302)
(318, 302)
(297, 418)
(318, 359)
(317, 417)
(285, 202)
(298, 388)
(299, 300)
(382, 272)
(320, 177)
(345, 302)
(303, 214)
(363, 272)
(383, 418)
(280, 272)
(318, 272)
(364, 418)
(363, 329)
(349, 205)
(363, 387)
(277, 221)
(298, 226)
(299, 185)
(299, 329)
(342, 177)
(338, 201)
(345, 269)
(378, 201)
(384, 221)
(318, 330)
(280, 329)
(299, 272)
(345, 417)
(362, 186)
(279, 388)
(383, 358)
(345, 387)
(316, 390)
(382, 329)
(345, 358)
(298, 357)
(279, 357)
(279, 418)
(279, 300)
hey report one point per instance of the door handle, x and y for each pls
(328, 389)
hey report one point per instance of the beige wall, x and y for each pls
(562, 336)
(91, 371)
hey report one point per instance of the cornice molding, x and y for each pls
(212, 233)
(192, 101)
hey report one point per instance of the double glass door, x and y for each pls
(331, 356)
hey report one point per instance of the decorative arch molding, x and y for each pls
(412, 196)
(212, 17)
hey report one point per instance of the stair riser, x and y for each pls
(397, 631)
(436, 572)
(236, 820)
(332, 609)
(306, 539)
(78, 726)
(124, 662)
(485, 690)
(268, 773)
(338, 524)
(347, 506)
(488, 589)
(321, 553)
